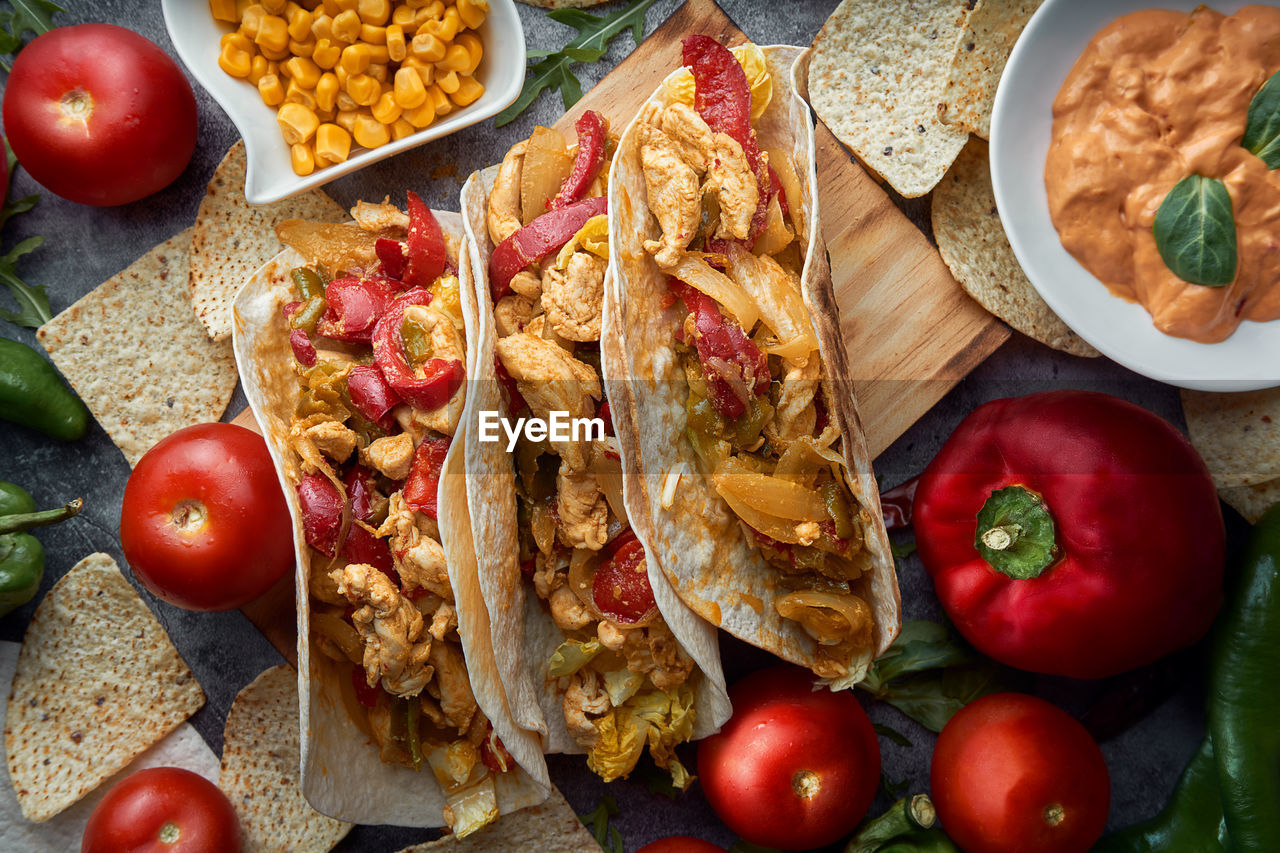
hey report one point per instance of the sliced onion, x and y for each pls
(732, 376)
(608, 474)
(582, 578)
(698, 274)
(768, 495)
(776, 294)
(830, 618)
(784, 167)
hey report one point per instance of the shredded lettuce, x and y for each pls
(622, 739)
(572, 656)
(661, 719)
(472, 808)
(592, 237)
(621, 685)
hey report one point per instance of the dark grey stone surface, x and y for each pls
(87, 245)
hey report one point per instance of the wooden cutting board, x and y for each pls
(912, 333)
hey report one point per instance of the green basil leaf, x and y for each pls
(1262, 130)
(1196, 233)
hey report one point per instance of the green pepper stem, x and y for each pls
(1001, 538)
(1016, 534)
(27, 520)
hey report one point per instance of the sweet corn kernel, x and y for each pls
(302, 159)
(371, 34)
(475, 50)
(273, 34)
(363, 89)
(346, 27)
(448, 83)
(473, 12)
(348, 5)
(303, 48)
(439, 99)
(297, 122)
(322, 27)
(386, 110)
(295, 94)
(345, 103)
(402, 16)
(258, 69)
(469, 91)
(401, 129)
(342, 75)
(346, 119)
(236, 62)
(275, 55)
(444, 28)
(456, 58)
(374, 12)
(355, 59)
(396, 49)
(302, 71)
(427, 48)
(325, 116)
(421, 116)
(409, 89)
(327, 54)
(251, 18)
(238, 40)
(378, 72)
(333, 144)
(378, 54)
(241, 5)
(369, 132)
(274, 7)
(426, 72)
(327, 91)
(330, 7)
(300, 22)
(223, 10)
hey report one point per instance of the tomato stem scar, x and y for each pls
(1054, 814)
(170, 833)
(189, 516)
(806, 784)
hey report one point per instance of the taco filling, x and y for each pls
(379, 352)
(624, 679)
(758, 400)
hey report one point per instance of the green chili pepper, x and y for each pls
(412, 735)
(838, 508)
(921, 841)
(309, 314)
(308, 282)
(21, 555)
(1191, 821)
(903, 818)
(417, 342)
(1244, 696)
(34, 395)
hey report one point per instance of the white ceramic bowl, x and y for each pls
(270, 177)
(1020, 131)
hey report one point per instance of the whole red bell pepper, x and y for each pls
(592, 129)
(544, 235)
(423, 485)
(439, 377)
(1072, 533)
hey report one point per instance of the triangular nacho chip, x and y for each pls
(1238, 434)
(261, 754)
(98, 682)
(135, 354)
(989, 36)
(233, 238)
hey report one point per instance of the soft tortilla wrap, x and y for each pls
(524, 634)
(698, 540)
(341, 774)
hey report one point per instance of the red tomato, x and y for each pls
(621, 587)
(1013, 773)
(99, 115)
(680, 844)
(163, 810)
(204, 523)
(794, 767)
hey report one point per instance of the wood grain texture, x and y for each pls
(911, 332)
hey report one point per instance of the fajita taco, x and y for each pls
(353, 345)
(756, 477)
(597, 653)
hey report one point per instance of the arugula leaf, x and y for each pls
(27, 16)
(892, 734)
(554, 69)
(606, 835)
(33, 300)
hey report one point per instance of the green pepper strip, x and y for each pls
(1244, 695)
(27, 520)
(413, 737)
(308, 282)
(1191, 821)
(309, 314)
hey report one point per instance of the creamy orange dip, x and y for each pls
(1155, 97)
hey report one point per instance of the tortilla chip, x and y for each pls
(1252, 501)
(233, 238)
(1237, 434)
(260, 757)
(877, 78)
(973, 244)
(549, 827)
(989, 36)
(135, 354)
(98, 682)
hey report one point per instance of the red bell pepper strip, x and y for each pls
(354, 307)
(425, 251)
(1072, 533)
(321, 513)
(361, 545)
(723, 347)
(370, 393)
(421, 488)
(440, 377)
(592, 129)
(722, 96)
(544, 235)
(621, 589)
(515, 401)
(391, 256)
(303, 350)
(605, 413)
(365, 695)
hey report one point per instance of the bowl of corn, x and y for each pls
(322, 88)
